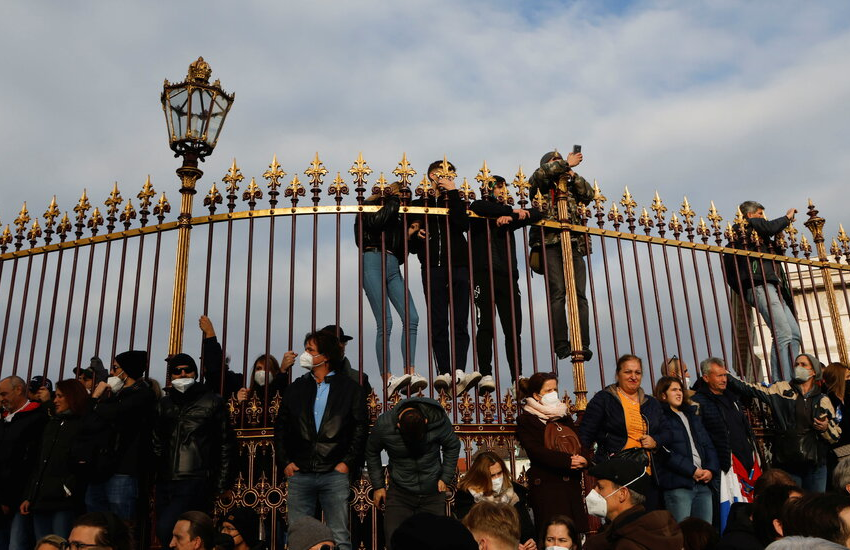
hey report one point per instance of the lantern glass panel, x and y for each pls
(177, 112)
(219, 110)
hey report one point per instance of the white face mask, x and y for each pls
(597, 505)
(557, 548)
(550, 398)
(182, 384)
(497, 484)
(306, 361)
(802, 374)
(115, 383)
(260, 377)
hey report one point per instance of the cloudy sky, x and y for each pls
(719, 100)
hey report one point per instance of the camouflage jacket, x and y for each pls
(545, 180)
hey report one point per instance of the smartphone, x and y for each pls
(576, 148)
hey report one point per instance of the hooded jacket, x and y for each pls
(545, 180)
(414, 474)
(502, 242)
(604, 422)
(637, 529)
(441, 231)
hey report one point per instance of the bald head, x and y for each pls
(13, 393)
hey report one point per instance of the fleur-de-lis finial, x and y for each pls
(5, 239)
(360, 170)
(128, 215)
(64, 227)
(703, 231)
(404, 171)
(445, 170)
(521, 185)
(233, 178)
(658, 207)
(598, 198)
(338, 188)
(539, 201)
(316, 171)
(20, 226)
(425, 187)
(252, 194)
(466, 192)
(739, 217)
(95, 221)
(714, 217)
(484, 179)
(645, 221)
(687, 212)
(213, 198)
(145, 195)
(34, 233)
(51, 213)
(162, 208)
(380, 185)
(628, 202)
(114, 200)
(274, 174)
(294, 190)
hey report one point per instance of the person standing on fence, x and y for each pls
(727, 425)
(555, 172)
(320, 434)
(763, 283)
(123, 410)
(382, 239)
(804, 419)
(414, 433)
(445, 275)
(495, 273)
(193, 445)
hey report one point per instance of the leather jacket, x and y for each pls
(193, 439)
(387, 222)
(341, 437)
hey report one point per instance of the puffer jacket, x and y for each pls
(604, 422)
(726, 422)
(675, 460)
(435, 249)
(545, 180)
(341, 436)
(55, 483)
(385, 222)
(417, 475)
(786, 401)
(193, 439)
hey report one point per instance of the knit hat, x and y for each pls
(816, 365)
(181, 360)
(306, 532)
(548, 157)
(247, 522)
(429, 532)
(133, 362)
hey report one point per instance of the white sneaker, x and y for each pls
(487, 384)
(417, 384)
(396, 382)
(466, 380)
(443, 382)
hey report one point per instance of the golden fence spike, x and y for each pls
(658, 207)
(22, 220)
(360, 170)
(338, 188)
(687, 212)
(232, 178)
(51, 212)
(316, 171)
(425, 187)
(521, 185)
(274, 174)
(404, 171)
(34, 233)
(484, 178)
(380, 185)
(146, 194)
(445, 170)
(129, 213)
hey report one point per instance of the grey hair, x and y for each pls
(841, 475)
(748, 207)
(16, 382)
(635, 498)
(706, 364)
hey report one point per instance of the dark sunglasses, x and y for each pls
(182, 369)
(327, 547)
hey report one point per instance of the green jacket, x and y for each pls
(417, 475)
(545, 179)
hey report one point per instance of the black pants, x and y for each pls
(401, 505)
(503, 287)
(558, 297)
(438, 310)
(175, 497)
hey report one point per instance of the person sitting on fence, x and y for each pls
(243, 525)
(489, 479)
(413, 434)
(494, 525)
(443, 254)
(101, 530)
(384, 248)
(556, 172)
(495, 271)
(345, 367)
(804, 421)
(618, 496)
(320, 434)
(623, 421)
(546, 431)
(560, 533)
(193, 530)
(763, 283)
(688, 463)
(193, 445)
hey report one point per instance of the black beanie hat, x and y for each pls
(247, 522)
(133, 362)
(181, 360)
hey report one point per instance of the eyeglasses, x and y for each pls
(74, 545)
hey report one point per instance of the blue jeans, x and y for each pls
(118, 495)
(811, 479)
(380, 303)
(18, 532)
(53, 523)
(783, 325)
(331, 489)
(694, 503)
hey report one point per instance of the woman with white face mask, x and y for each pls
(555, 476)
(268, 378)
(804, 421)
(488, 478)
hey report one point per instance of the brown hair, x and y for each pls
(500, 521)
(625, 358)
(271, 364)
(392, 189)
(328, 345)
(664, 384)
(534, 383)
(75, 394)
(572, 530)
(833, 378)
(478, 475)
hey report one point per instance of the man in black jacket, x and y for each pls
(442, 249)
(762, 284)
(192, 443)
(123, 410)
(320, 434)
(496, 278)
(21, 428)
(413, 433)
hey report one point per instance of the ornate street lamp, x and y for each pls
(194, 113)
